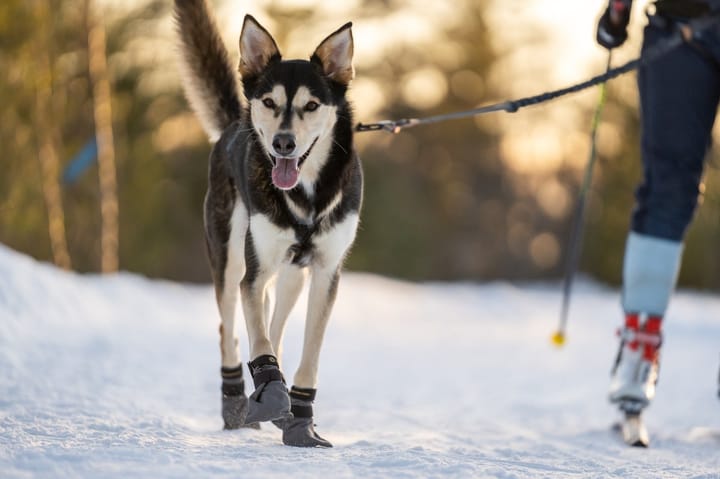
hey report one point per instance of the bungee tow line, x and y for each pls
(685, 33)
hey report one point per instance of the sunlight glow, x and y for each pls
(542, 45)
(424, 88)
(179, 131)
(545, 250)
(554, 198)
(468, 85)
(368, 97)
(536, 150)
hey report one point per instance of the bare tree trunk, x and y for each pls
(47, 132)
(97, 62)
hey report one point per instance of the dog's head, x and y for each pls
(293, 104)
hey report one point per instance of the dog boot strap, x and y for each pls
(233, 383)
(265, 369)
(301, 401)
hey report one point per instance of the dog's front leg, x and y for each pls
(300, 430)
(270, 400)
(323, 290)
(289, 284)
(331, 249)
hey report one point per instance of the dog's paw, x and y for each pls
(234, 400)
(300, 432)
(269, 402)
(234, 412)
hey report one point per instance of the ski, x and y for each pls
(634, 432)
(631, 427)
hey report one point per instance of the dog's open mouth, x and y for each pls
(286, 171)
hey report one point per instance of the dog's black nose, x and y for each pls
(284, 144)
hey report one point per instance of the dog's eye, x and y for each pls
(311, 106)
(268, 102)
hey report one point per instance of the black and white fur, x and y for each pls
(285, 186)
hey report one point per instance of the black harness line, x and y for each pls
(685, 33)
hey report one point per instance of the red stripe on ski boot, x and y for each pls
(632, 323)
(652, 337)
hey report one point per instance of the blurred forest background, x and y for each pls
(475, 199)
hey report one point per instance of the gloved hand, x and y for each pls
(612, 26)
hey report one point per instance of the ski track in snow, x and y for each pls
(118, 377)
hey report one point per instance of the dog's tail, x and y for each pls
(209, 79)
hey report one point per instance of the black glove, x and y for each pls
(612, 34)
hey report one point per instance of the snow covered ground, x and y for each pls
(119, 377)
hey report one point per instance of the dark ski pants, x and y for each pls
(679, 96)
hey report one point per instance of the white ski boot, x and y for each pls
(635, 373)
(636, 368)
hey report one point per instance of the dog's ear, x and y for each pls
(335, 55)
(257, 48)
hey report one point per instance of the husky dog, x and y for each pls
(284, 195)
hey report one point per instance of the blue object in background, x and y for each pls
(81, 162)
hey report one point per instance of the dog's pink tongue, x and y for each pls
(285, 173)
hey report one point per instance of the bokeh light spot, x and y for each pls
(424, 88)
(545, 250)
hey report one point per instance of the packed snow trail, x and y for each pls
(115, 377)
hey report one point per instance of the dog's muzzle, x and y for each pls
(286, 171)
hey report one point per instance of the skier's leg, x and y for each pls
(678, 100)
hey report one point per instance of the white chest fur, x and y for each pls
(331, 245)
(272, 243)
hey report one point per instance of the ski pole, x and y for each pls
(573, 256)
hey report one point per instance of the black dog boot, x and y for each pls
(234, 401)
(299, 431)
(270, 401)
